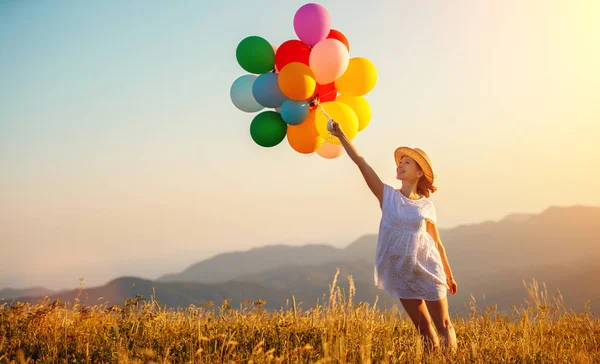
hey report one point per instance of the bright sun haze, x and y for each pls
(122, 153)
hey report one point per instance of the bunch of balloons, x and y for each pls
(304, 82)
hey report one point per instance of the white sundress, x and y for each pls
(407, 262)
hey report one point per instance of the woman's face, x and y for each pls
(408, 169)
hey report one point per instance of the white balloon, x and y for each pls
(241, 94)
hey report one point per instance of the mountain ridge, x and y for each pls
(487, 258)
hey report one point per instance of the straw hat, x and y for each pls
(419, 156)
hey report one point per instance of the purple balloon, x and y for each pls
(312, 23)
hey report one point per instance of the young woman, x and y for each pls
(410, 261)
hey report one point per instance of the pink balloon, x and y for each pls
(312, 23)
(330, 151)
(275, 47)
(328, 60)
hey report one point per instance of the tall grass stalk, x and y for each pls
(337, 331)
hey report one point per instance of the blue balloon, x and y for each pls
(241, 94)
(294, 112)
(266, 90)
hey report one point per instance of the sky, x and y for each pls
(121, 152)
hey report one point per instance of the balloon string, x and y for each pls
(330, 136)
(324, 112)
(317, 101)
(327, 93)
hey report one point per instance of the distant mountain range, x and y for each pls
(9, 293)
(559, 246)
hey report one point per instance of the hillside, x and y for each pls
(171, 294)
(558, 235)
(9, 293)
(227, 266)
(490, 261)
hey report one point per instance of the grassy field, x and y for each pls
(336, 330)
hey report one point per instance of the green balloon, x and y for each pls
(255, 55)
(268, 129)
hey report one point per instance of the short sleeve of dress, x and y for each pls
(388, 196)
(430, 213)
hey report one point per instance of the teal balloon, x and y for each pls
(294, 112)
(255, 55)
(266, 90)
(241, 94)
(268, 129)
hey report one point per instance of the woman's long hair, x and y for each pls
(424, 187)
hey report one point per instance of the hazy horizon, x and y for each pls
(120, 147)
(157, 266)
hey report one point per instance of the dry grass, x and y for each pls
(335, 331)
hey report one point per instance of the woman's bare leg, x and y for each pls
(417, 311)
(441, 318)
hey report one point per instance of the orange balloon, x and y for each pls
(304, 137)
(297, 81)
(330, 151)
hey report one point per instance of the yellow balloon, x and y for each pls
(297, 81)
(360, 106)
(342, 114)
(360, 78)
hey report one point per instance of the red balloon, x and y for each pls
(336, 34)
(326, 92)
(291, 51)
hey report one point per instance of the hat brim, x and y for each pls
(423, 163)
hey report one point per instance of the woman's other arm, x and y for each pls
(433, 231)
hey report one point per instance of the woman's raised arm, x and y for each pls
(372, 179)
